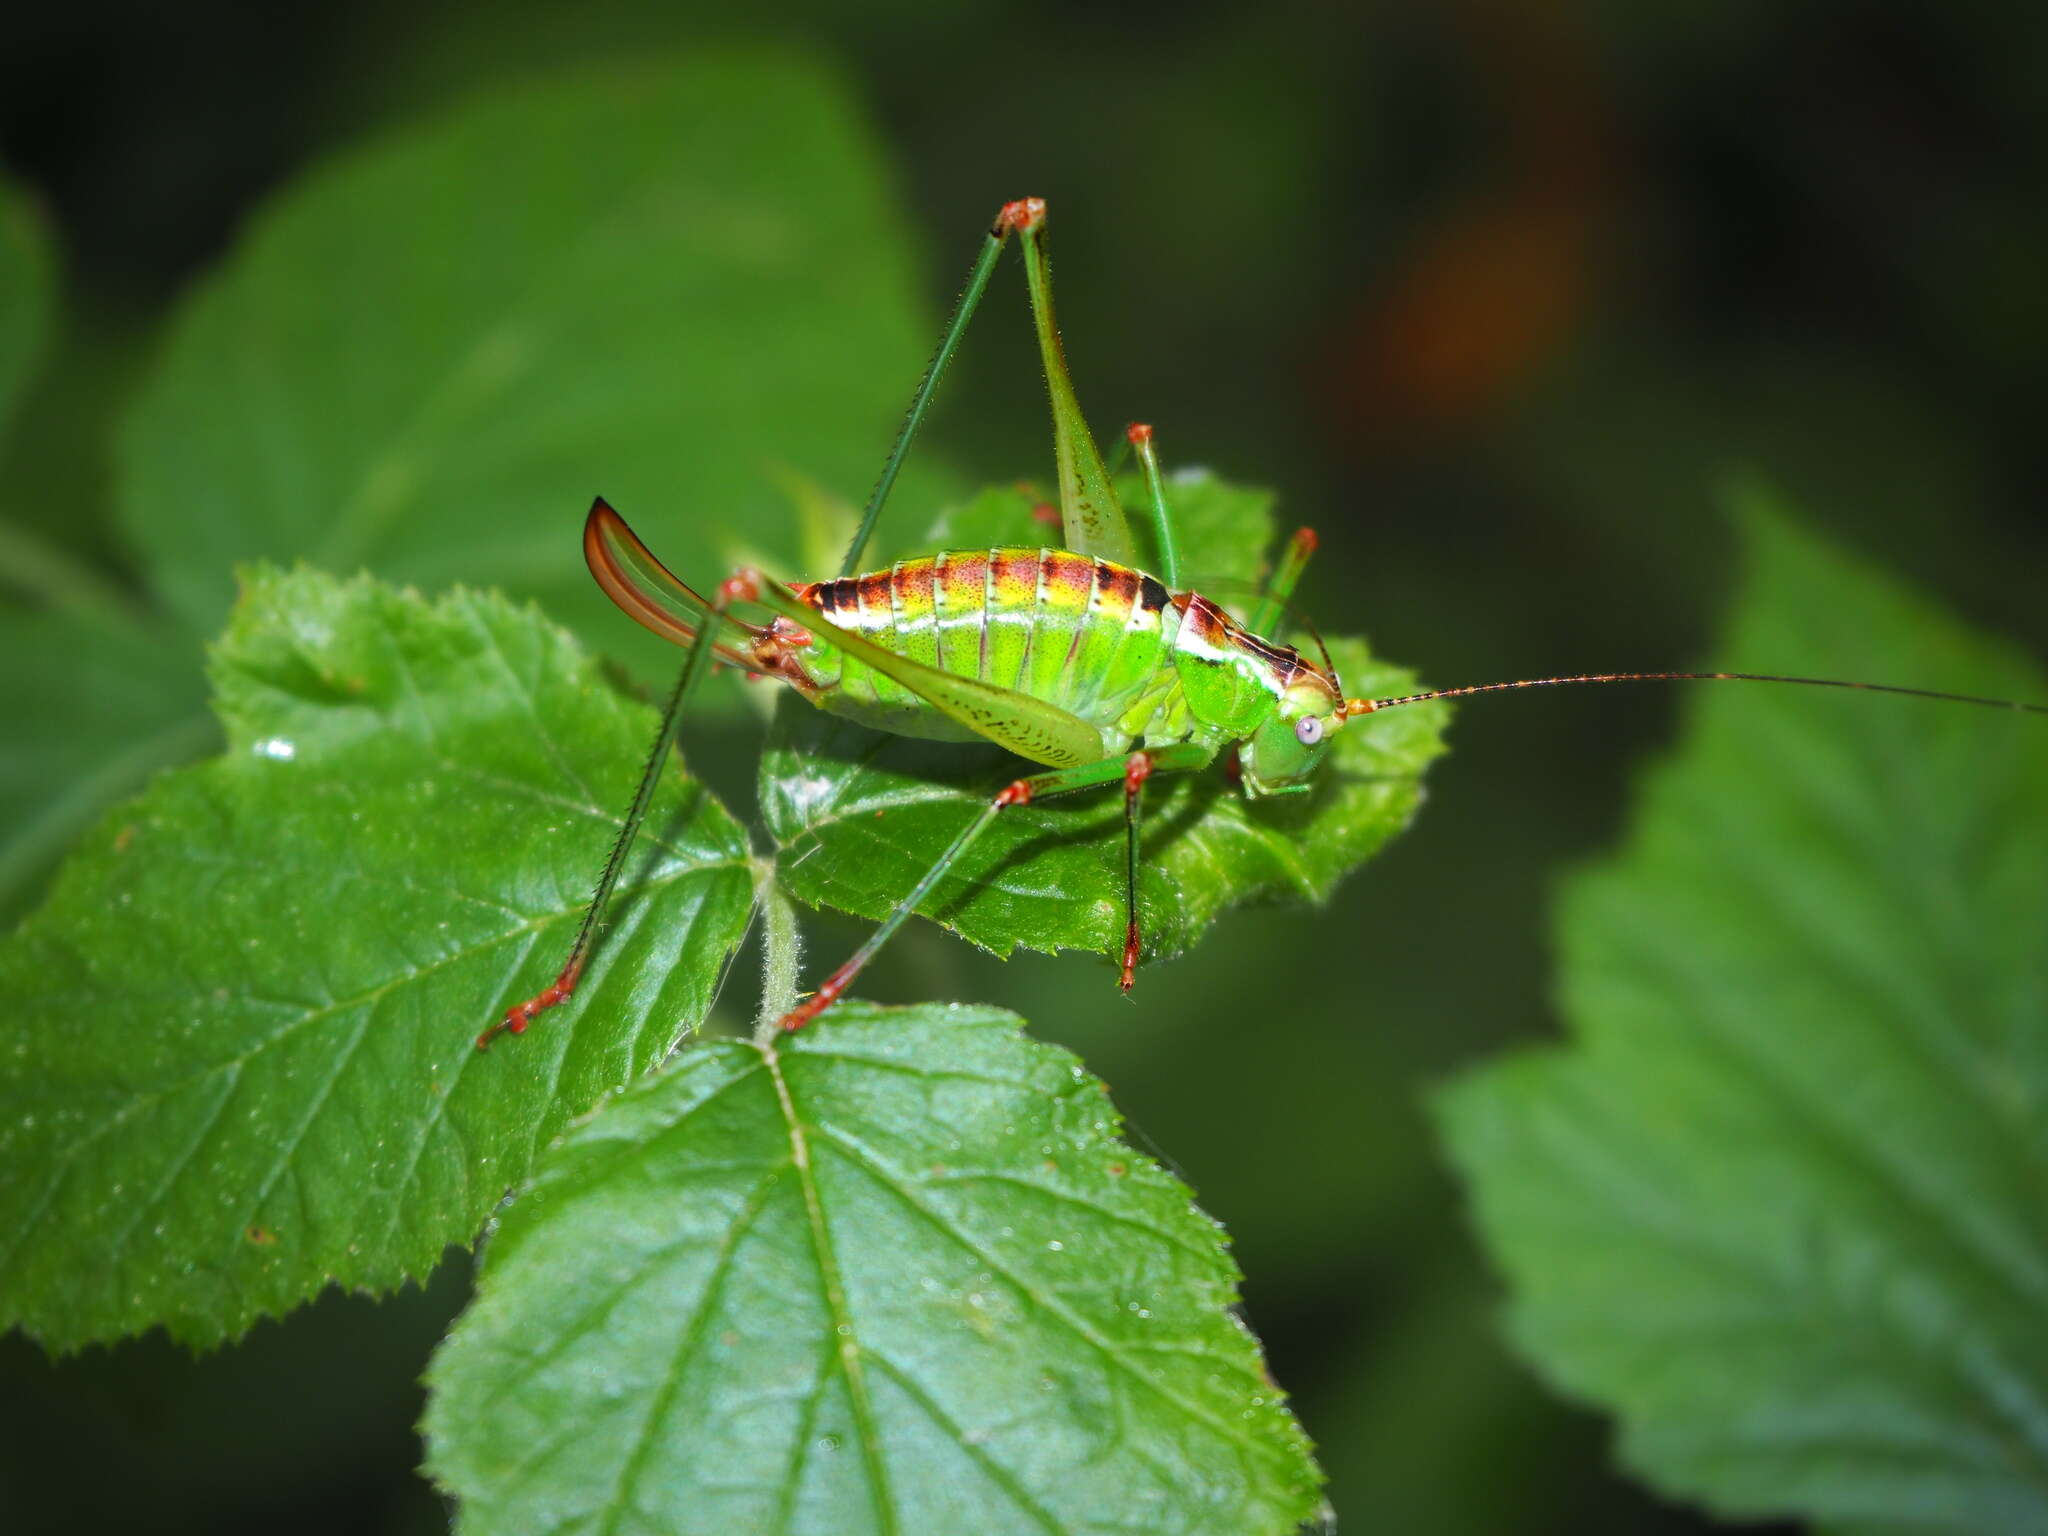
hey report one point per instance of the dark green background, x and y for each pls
(1498, 295)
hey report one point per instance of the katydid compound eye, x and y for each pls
(1308, 730)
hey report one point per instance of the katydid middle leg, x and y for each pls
(1181, 757)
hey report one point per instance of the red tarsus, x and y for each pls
(1139, 434)
(1046, 512)
(1306, 541)
(741, 587)
(1130, 958)
(1137, 769)
(1017, 793)
(1233, 765)
(826, 995)
(519, 1015)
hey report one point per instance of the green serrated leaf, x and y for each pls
(241, 1062)
(27, 284)
(1780, 1204)
(426, 358)
(858, 816)
(897, 1274)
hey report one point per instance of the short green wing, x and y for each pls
(1029, 727)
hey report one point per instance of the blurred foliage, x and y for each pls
(1779, 1203)
(1801, 236)
(25, 283)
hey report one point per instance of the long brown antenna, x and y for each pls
(1368, 706)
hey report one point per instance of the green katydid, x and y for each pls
(1073, 659)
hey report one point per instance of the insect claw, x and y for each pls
(519, 1015)
(812, 1006)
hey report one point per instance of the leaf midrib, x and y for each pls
(833, 1285)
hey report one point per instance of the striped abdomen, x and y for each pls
(1091, 637)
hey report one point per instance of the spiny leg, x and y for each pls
(1059, 781)
(1140, 437)
(963, 310)
(695, 665)
(1139, 767)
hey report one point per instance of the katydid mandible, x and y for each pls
(1072, 659)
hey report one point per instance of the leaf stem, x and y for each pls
(782, 947)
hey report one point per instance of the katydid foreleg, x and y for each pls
(1181, 757)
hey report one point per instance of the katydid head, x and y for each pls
(1283, 754)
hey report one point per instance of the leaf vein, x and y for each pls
(940, 1221)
